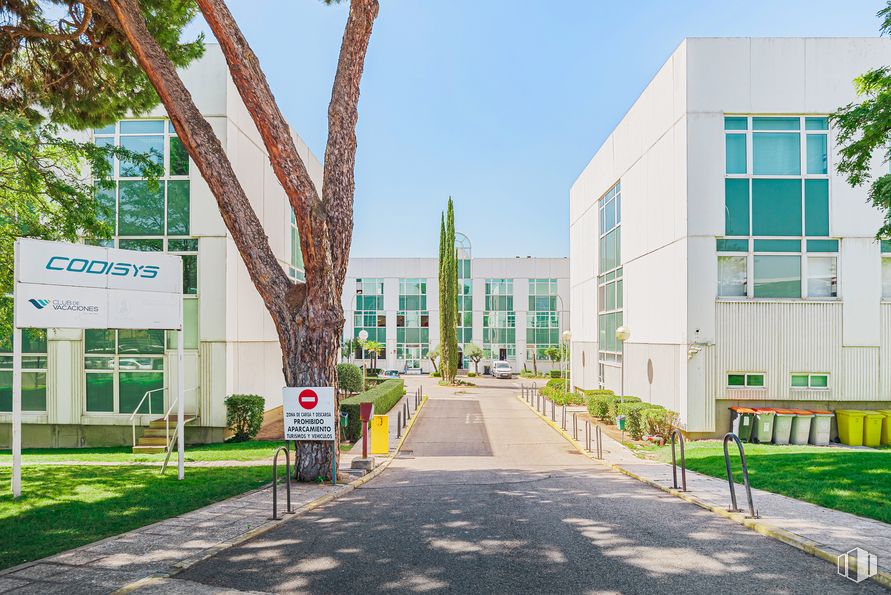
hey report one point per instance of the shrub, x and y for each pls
(633, 412)
(556, 373)
(349, 378)
(436, 374)
(559, 383)
(373, 372)
(615, 401)
(598, 406)
(384, 396)
(244, 416)
(659, 421)
(599, 392)
(471, 374)
(561, 397)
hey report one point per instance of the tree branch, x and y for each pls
(80, 27)
(343, 114)
(202, 144)
(244, 67)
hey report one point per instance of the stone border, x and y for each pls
(183, 565)
(766, 529)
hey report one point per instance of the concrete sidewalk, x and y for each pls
(819, 531)
(164, 547)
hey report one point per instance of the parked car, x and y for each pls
(391, 374)
(502, 369)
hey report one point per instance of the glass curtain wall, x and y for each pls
(499, 320)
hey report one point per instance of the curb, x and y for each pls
(183, 565)
(768, 530)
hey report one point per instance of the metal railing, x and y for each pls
(275, 516)
(138, 406)
(674, 466)
(745, 470)
(167, 439)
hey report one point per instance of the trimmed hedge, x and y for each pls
(384, 396)
(633, 417)
(658, 421)
(556, 373)
(561, 397)
(558, 383)
(603, 404)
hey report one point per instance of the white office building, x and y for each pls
(83, 387)
(514, 309)
(712, 224)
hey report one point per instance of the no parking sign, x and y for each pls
(308, 413)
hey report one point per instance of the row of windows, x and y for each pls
(776, 207)
(776, 146)
(797, 380)
(610, 290)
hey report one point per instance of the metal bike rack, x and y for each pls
(275, 516)
(674, 467)
(742, 456)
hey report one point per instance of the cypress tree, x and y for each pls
(451, 338)
(443, 297)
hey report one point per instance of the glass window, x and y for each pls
(141, 209)
(179, 158)
(816, 206)
(736, 123)
(142, 126)
(140, 341)
(149, 146)
(822, 277)
(777, 245)
(723, 245)
(736, 380)
(776, 207)
(178, 207)
(732, 276)
(142, 245)
(745, 379)
(816, 154)
(810, 381)
(886, 278)
(735, 146)
(100, 392)
(777, 276)
(817, 123)
(776, 153)
(736, 207)
(799, 381)
(774, 123)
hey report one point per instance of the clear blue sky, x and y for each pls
(497, 103)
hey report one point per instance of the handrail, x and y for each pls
(167, 416)
(136, 411)
(674, 467)
(275, 516)
(742, 454)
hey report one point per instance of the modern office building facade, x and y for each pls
(512, 308)
(82, 387)
(713, 225)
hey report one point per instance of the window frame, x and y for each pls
(809, 376)
(745, 385)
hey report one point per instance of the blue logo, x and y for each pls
(39, 304)
(101, 267)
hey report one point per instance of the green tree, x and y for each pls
(375, 349)
(104, 43)
(475, 353)
(864, 129)
(48, 191)
(433, 355)
(448, 296)
(554, 353)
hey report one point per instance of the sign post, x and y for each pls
(62, 285)
(308, 415)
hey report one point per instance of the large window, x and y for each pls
(121, 367)
(33, 371)
(610, 286)
(776, 240)
(499, 320)
(412, 322)
(369, 314)
(542, 318)
(295, 261)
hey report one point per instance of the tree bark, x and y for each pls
(308, 317)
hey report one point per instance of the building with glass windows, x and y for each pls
(712, 224)
(82, 387)
(513, 308)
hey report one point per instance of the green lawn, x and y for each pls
(230, 451)
(65, 507)
(855, 481)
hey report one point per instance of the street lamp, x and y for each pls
(622, 334)
(363, 336)
(566, 336)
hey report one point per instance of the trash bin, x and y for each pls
(801, 427)
(782, 425)
(886, 426)
(741, 421)
(850, 426)
(763, 430)
(821, 428)
(872, 428)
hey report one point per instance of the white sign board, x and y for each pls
(61, 285)
(308, 413)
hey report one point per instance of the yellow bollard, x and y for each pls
(380, 434)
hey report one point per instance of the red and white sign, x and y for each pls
(308, 413)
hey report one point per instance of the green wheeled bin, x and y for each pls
(850, 426)
(742, 420)
(762, 432)
(872, 428)
(886, 426)
(801, 427)
(782, 425)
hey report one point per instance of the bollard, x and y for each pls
(599, 443)
(275, 516)
(405, 415)
(563, 420)
(575, 426)
(399, 424)
(588, 435)
(676, 433)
